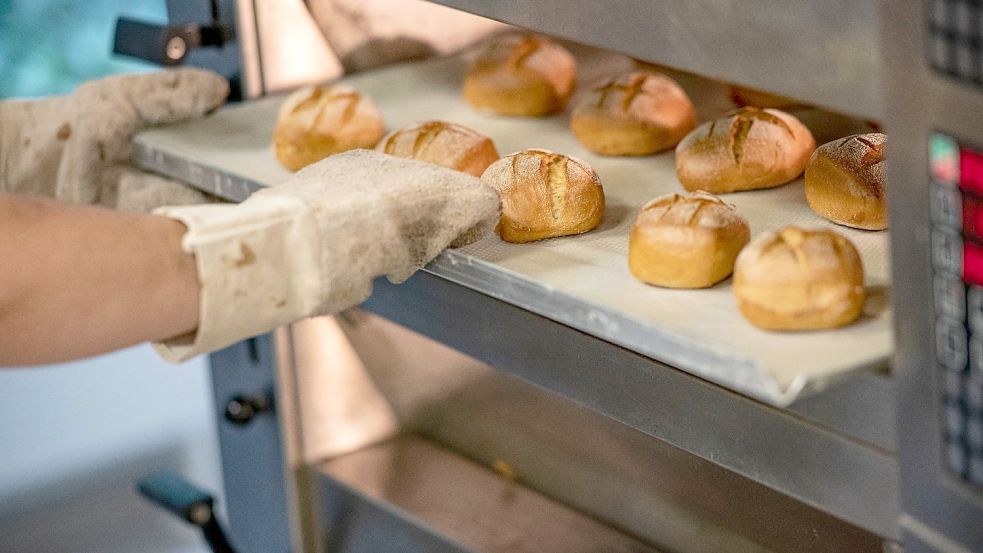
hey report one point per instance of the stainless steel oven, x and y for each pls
(474, 411)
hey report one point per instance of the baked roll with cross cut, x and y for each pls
(545, 195)
(521, 74)
(846, 181)
(799, 279)
(686, 241)
(748, 149)
(635, 114)
(317, 121)
(441, 143)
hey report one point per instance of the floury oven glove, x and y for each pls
(313, 245)
(76, 148)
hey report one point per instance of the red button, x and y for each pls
(973, 263)
(972, 216)
(971, 171)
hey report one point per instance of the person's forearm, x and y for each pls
(78, 281)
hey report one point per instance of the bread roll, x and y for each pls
(318, 121)
(545, 195)
(845, 181)
(748, 149)
(686, 241)
(521, 74)
(443, 144)
(635, 114)
(799, 279)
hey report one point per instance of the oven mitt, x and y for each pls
(313, 245)
(77, 149)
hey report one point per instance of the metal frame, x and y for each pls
(800, 458)
(824, 52)
(253, 464)
(938, 511)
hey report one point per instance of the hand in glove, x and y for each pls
(313, 245)
(76, 148)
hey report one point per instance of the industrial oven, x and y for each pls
(482, 406)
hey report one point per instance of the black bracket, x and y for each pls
(164, 44)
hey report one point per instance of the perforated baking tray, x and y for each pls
(580, 281)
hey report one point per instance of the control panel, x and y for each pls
(957, 260)
(955, 37)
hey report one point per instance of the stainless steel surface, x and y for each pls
(253, 469)
(458, 501)
(824, 52)
(225, 185)
(825, 468)
(285, 48)
(582, 283)
(618, 475)
(863, 407)
(920, 102)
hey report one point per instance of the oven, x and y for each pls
(483, 406)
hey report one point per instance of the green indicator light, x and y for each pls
(943, 158)
(943, 147)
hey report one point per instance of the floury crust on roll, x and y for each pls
(445, 144)
(521, 74)
(686, 241)
(846, 181)
(748, 149)
(318, 121)
(635, 114)
(545, 195)
(799, 279)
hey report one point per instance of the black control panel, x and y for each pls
(955, 34)
(957, 260)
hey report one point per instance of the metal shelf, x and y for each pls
(410, 495)
(825, 52)
(581, 282)
(829, 451)
(835, 460)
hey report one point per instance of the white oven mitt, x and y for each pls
(76, 148)
(313, 245)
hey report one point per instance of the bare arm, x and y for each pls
(79, 281)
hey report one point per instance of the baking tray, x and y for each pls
(580, 281)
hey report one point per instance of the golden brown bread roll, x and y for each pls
(545, 195)
(799, 279)
(686, 241)
(318, 121)
(441, 143)
(845, 181)
(636, 114)
(748, 149)
(521, 74)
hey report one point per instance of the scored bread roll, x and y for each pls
(545, 195)
(799, 279)
(748, 149)
(686, 241)
(521, 74)
(440, 143)
(846, 181)
(318, 121)
(636, 114)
